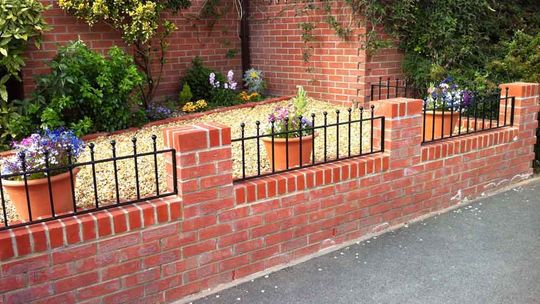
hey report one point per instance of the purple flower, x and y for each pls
(54, 148)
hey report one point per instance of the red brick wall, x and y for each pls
(193, 38)
(217, 232)
(341, 70)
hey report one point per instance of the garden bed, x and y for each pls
(247, 114)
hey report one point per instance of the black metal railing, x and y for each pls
(104, 183)
(393, 88)
(462, 115)
(360, 133)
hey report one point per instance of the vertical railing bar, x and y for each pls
(115, 168)
(433, 124)
(442, 120)
(273, 149)
(2, 198)
(371, 92)
(512, 109)
(134, 141)
(350, 117)
(325, 133)
(49, 184)
(483, 114)
(287, 143)
(382, 133)
(388, 88)
(505, 105)
(452, 115)
(424, 123)
(337, 134)
(475, 117)
(300, 160)
(313, 138)
(361, 129)
(372, 126)
(25, 178)
(175, 179)
(92, 159)
(460, 112)
(490, 113)
(397, 90)
(258, 126)
(243, 144)
(154, 143)
(380, 87)
(71, 180)
(406, 87)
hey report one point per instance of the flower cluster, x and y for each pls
(32, 153)
(157, 112)
(289, 120)
(195, 106)
(247, 97)
(230, 84)
(448, 96)
(254, 81)
(284, 121)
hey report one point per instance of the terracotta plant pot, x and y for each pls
(450, 118)
(280, 151)
(38, 190)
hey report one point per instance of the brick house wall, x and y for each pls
(216, 231)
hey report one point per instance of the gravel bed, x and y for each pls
(105, 179)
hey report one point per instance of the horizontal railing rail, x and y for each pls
(112, 198)
(359, 134)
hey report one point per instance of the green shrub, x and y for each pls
(197, 79)
(21, 21)
(86, 91)
(185, 95)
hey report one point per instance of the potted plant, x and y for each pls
(289, 128)
(442, 108)
(26, 171)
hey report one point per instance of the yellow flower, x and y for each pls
(254, 75)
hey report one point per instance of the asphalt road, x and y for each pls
(487, 252)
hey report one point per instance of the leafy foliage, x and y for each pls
(254, 81)
(140, 21)
(197, 79)
(21, 21)
(185, 95)
(86, 91)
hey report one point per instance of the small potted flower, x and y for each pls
(26, 171)
(443, 106)
(289, 127)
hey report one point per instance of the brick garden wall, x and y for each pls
(217, 231)
(193, 38)
(341, 70)
(338, 70)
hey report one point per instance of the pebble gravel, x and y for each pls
(105, 178)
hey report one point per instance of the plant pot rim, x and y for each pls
(39, 181)
(291, 139)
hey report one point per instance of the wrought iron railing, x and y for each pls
(89, 199)
(359, 133)
(457, 115)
